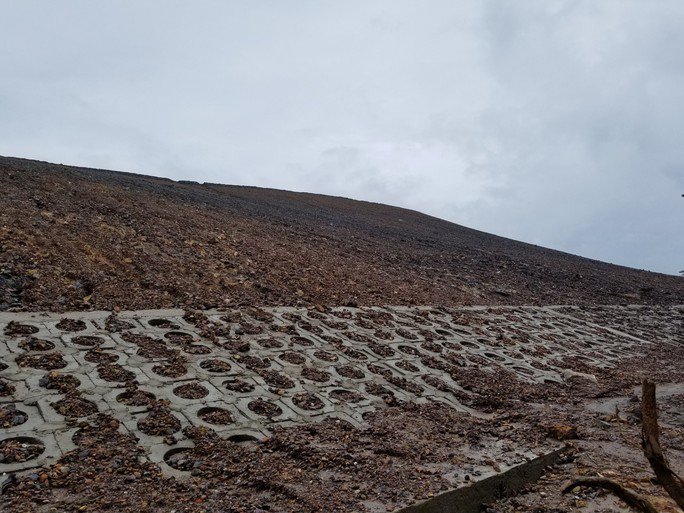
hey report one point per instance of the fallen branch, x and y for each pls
(650, 442)
(629, 497)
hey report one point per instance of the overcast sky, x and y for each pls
(556, 123)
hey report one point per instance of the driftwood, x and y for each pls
(629, 497)
(650, 442)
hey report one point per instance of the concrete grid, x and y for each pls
(304, 364)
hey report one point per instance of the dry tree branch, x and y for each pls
(650, 442)
(629, 497)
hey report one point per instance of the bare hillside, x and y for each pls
(74, 238)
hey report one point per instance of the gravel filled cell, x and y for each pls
(20, 449)
(217, 416)
(265, 408)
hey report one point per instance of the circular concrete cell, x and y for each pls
(178, 337)
(214, 415)
(99, 356)
(15, 328)
(74, 407)
(308, 401)
(136, 398)
(10, 416)
(62, 382)
(302, 341)
(270, 343)
(87, 341)
(6, 388)
(238, 385)
(191, 391)
(20, 449)
(293, 358)
(215, 365)
(180, 459)
(71, 325)
(241, 438)
(196, 349)
(36, 344)
(163, 324)
(265, 408)
(49, 361)
(345, 396)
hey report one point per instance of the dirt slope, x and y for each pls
(74, 238)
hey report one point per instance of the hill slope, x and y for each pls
(74, 238)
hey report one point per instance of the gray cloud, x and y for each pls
(556, 123)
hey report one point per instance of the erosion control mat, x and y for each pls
(319, 409)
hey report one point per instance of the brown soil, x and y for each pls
(349, 371)
(172, 369)
(346, 396)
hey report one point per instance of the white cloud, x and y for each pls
(556, 123)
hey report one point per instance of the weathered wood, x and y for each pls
(650, 442)
(628, 496)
